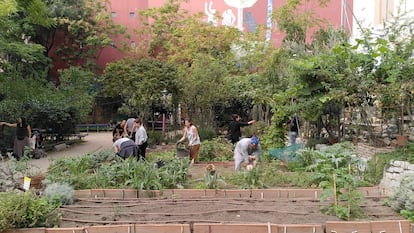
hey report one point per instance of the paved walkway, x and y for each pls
(92, 142)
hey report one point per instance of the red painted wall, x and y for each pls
(123, 10)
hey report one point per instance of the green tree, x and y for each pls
(17, 22)
(87, 28)
(140, 83)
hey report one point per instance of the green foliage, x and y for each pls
(8, 6)
(26, 210)
(60, 192)
(211, 178)
(206, 133)
(408, 214)
(76, 85)
(403, 197)
(276, 174)
(87, 26)
(217, 149)
(146, 79)
(252, 179)
(379, 162)
(259, 128)
(154, 137)
(43, 105)
(102, 170)
(336, 169)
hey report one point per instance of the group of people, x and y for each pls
(130, 138)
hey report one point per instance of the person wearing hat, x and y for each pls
(246, 152)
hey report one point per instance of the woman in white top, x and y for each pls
(140, 138)
(191, 133)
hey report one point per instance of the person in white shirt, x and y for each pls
(246, 152)
(141, 138)
(194, 142)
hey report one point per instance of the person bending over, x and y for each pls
(246, 152)
(124, 147)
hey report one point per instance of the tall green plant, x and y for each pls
(337, 170)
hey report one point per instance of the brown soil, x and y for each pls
(89, 212)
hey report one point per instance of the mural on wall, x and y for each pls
(211, 13)
(228, 17)
(240, 5)
(269, 20)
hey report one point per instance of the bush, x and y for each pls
(206, 133)
(154, 138)
(217, 149)
(26, 210)
(403, 198)
(61, 192)
(257, 128)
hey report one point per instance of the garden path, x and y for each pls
(93, 142)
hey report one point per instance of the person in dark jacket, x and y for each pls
(119, 129)
(23, 134)
(234, 130)
(293, 129)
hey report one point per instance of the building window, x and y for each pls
(383, 11)
(133, 44)
(132, 15)
(113, 14)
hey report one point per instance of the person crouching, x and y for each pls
(124, 147)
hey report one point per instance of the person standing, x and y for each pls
(194, 142)
(130, 127)
(234, 130)
(141, 138)
(246, 152)
(23, 134)
(124, 147)
(293, 129)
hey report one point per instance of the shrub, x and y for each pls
(26, 210)
(61, 192)
(206, 133)
(257, 128)
(217, 149)
(403, 198)
(154, 137)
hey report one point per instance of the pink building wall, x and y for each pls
(125, 12)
